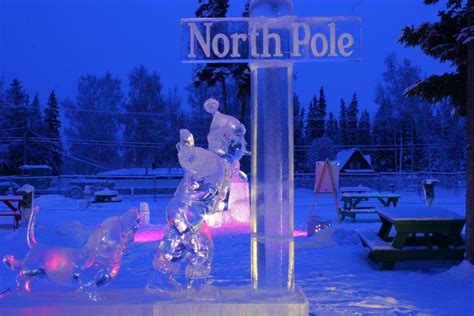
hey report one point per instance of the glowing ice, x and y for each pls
(204, 191)
(91, 266)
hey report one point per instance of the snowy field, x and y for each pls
(331, 267)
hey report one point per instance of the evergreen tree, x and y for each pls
(321, 149)
(311, 130)
(397, 121)
(352, 120)
(145, 96)
(344, 134)
(241, 75)
(332, 129)
(299, 139)
(217, 73)
(450, 39)
(36, 117)
(52, 125)
(364, 129)
(175, 120)
(322, 112)
(38, 147)
(16, 122)
(446, 40)
(94, 123)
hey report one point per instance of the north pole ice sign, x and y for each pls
(286, 38)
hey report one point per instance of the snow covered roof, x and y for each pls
(344, 155)
(142, 172)
(36, 167)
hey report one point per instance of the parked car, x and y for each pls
(39, 176)
(76, 188)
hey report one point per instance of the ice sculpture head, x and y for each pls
(130, 221)
(227, 135)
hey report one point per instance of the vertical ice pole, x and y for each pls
(272, 245)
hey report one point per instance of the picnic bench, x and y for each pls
(352, 202)
(13, 211)
(419, 233)
(356, 189)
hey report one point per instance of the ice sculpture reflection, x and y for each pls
(204, 191)
(91, 266)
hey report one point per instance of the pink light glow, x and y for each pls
(300, 233)
(151, 233)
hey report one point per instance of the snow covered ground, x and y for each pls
(331, 267)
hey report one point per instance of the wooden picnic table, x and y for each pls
(420, 233)
(356, 189)
(9, 201)
(352, 200)
(106, 195)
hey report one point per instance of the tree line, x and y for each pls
(103, 128)
(406, 134)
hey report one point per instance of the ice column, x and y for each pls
(272, 244)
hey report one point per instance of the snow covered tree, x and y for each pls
(175, 120)
(322, 112)
(316, 121)
(145, 120)
(451, 39)
(332, 128)
(241, 76)
(344, 133)
(352, 120)
(299, 139)
(212, 8)
(94, 123)
(36, 117)
(52, 125)
(311, 129)
(396, 127)
(321, 149)
(470, 142)
(38, 147)
(364, 129)
(16, 123)
(217, 73)
(445, 40)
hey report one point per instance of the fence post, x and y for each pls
(154, 188)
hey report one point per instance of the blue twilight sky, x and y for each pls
(49, 44)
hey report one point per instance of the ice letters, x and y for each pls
(203, 191)
(91, 266)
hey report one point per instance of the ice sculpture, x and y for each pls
(203, 192)
(91, 266)
(238, 204)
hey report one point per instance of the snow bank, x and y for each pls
(329, 237)
(465, 270)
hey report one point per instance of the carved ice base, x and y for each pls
(117, 302)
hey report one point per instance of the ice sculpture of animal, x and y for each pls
(203, 191)
(89, 267)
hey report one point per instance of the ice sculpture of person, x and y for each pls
(203, 191)
(91, 266)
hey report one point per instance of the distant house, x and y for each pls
(353, 161)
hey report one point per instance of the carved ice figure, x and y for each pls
(203, 191)
(89, 267)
